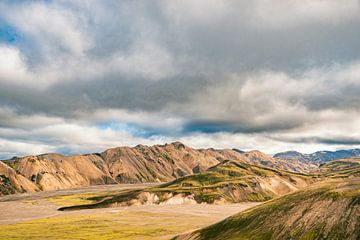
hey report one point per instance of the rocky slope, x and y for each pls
(158, 163)
(55, 171)
(227, 182)
(328, 210)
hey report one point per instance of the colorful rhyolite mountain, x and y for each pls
(158, 163)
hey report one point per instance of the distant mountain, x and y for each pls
(320, 156)
(158, 163)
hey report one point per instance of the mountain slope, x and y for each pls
(158, 163)
(349, 167)
(227, 182)
(55, 171)
(324, 211)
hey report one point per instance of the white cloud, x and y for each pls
(60, 41)
(10, 148)
(12, 66)
(57, 26)
(9, 118)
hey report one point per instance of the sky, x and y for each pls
(82, 76)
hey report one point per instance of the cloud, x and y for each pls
(223, 73)
(147, 62)
(12, 66)
(284, 14)
(270, 101)
(60, 45)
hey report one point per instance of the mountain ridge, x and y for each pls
(158, 163)
(319, 156)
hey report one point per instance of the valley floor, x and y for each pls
(35, 216)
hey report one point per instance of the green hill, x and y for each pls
(328, 210)
(341, 168)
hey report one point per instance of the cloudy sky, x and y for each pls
(81, 76)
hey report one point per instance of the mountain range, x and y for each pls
(158, 163)
(319, 156)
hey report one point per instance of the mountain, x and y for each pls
(320, 156)
(293, 165)
(329, 210)
(158, 163)
(227, 182)
(292, 155)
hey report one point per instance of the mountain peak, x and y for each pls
(178, 145)
(256, 153)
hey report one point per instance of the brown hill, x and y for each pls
(158, 163)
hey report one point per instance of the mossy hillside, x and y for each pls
(227, 172)
(230, 175)
(217, 182)
(301, 215)
(341, 168)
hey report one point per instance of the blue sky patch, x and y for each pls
(8, 34)
(133, 129)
